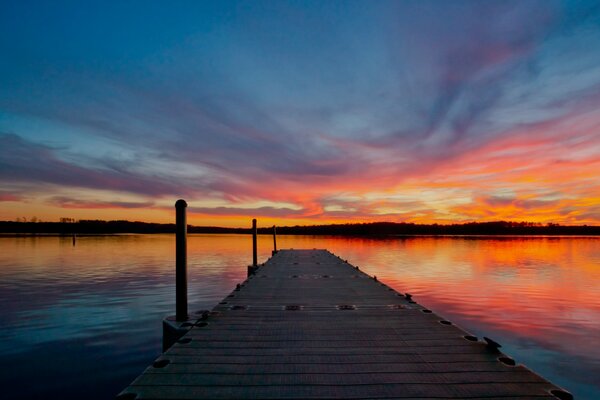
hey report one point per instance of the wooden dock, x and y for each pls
(308, 325)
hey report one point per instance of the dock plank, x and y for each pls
(308, 325)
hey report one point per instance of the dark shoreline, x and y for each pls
(381, 229)
(5, 235)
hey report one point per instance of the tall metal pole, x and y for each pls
(254, 256)
(181, 305)
(274, 239)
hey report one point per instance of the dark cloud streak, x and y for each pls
(68, 202)
(24, 161)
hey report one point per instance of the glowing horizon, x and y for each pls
(301, 113)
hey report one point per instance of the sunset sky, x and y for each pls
(298, 112)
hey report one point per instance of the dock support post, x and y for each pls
(274, 240)
(174, 327)
(254, 255)
(252, 268)
(181, 305)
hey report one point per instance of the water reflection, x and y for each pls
(538, 296)
(93, 310)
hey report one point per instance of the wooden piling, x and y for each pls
(181, 302)
(254, 249)
(274, 240)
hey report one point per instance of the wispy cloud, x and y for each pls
(255, 211)
(66, 202)
(25, 161)
(7, 196)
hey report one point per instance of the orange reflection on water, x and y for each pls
(543, 289)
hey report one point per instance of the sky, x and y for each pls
(301, 112)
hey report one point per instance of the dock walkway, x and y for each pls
(308, 325)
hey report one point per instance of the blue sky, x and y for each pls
(301, 112)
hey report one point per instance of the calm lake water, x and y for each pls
(85, 320)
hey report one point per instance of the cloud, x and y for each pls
(588, 215)
(67, 202)
(327, 209)
(8, 196)
(257, 211)
(524, 204)
(24, 161)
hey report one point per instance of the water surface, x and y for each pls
(85, 320)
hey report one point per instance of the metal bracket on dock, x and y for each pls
(252, 269)
(173, 330)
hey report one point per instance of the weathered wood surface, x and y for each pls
(308, 325)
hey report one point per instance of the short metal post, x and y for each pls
(254, 255)
(274, 239)
(181, 305)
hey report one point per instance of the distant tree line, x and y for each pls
(68, 226)
(470, 228)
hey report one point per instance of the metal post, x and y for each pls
(254, 256)
(274, 239)
(181, 306)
